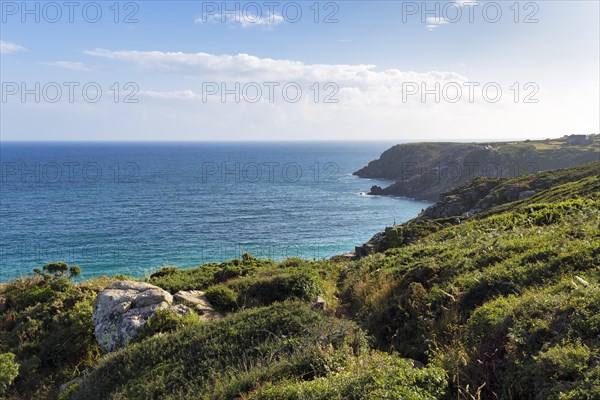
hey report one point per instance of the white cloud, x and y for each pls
(71, 65)
(435, 22)
(248, 68)
(243, 19)
(171, 95)
(10, 47)
(354, 89)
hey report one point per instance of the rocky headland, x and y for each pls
(423, 171)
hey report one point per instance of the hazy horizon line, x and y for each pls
(400, 140)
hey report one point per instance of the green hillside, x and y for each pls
(503, 303)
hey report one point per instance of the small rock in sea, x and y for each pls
(376, 190)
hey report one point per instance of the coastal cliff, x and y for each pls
(423, 171)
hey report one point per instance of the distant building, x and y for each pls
(578, 140)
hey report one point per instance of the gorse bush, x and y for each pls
(58, 269)
(222, 298)
(46, 323)
(174, 279)
(536, 342)
(567, 362)
(376, 376)
(166, 321)
(9, 370)
(298, 283)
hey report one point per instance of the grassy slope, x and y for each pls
(499, 299)
(504, 305)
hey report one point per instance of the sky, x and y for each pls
(306, 70)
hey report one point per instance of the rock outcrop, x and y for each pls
(319, 304)
(464, 200)
(122, 309)
(196, 300)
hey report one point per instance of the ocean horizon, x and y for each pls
(133, 207)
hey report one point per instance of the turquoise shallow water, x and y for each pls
(131, 208)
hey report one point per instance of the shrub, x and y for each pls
(60, 285)
(301, 284)
(74, 271)
(222, 298)
(485, 297)
(56, 268)
(9, 370)
(229, 272)
(166, 321)
(50, 332)
(379, 376)
(173, 279)
(164, 271)
(586, 388)
(564, 362)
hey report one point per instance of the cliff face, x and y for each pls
(482, 194)
(425, 170)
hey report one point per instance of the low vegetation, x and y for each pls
(45, 329)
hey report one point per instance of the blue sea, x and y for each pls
(133, 207)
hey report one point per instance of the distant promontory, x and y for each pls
(423, 171)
